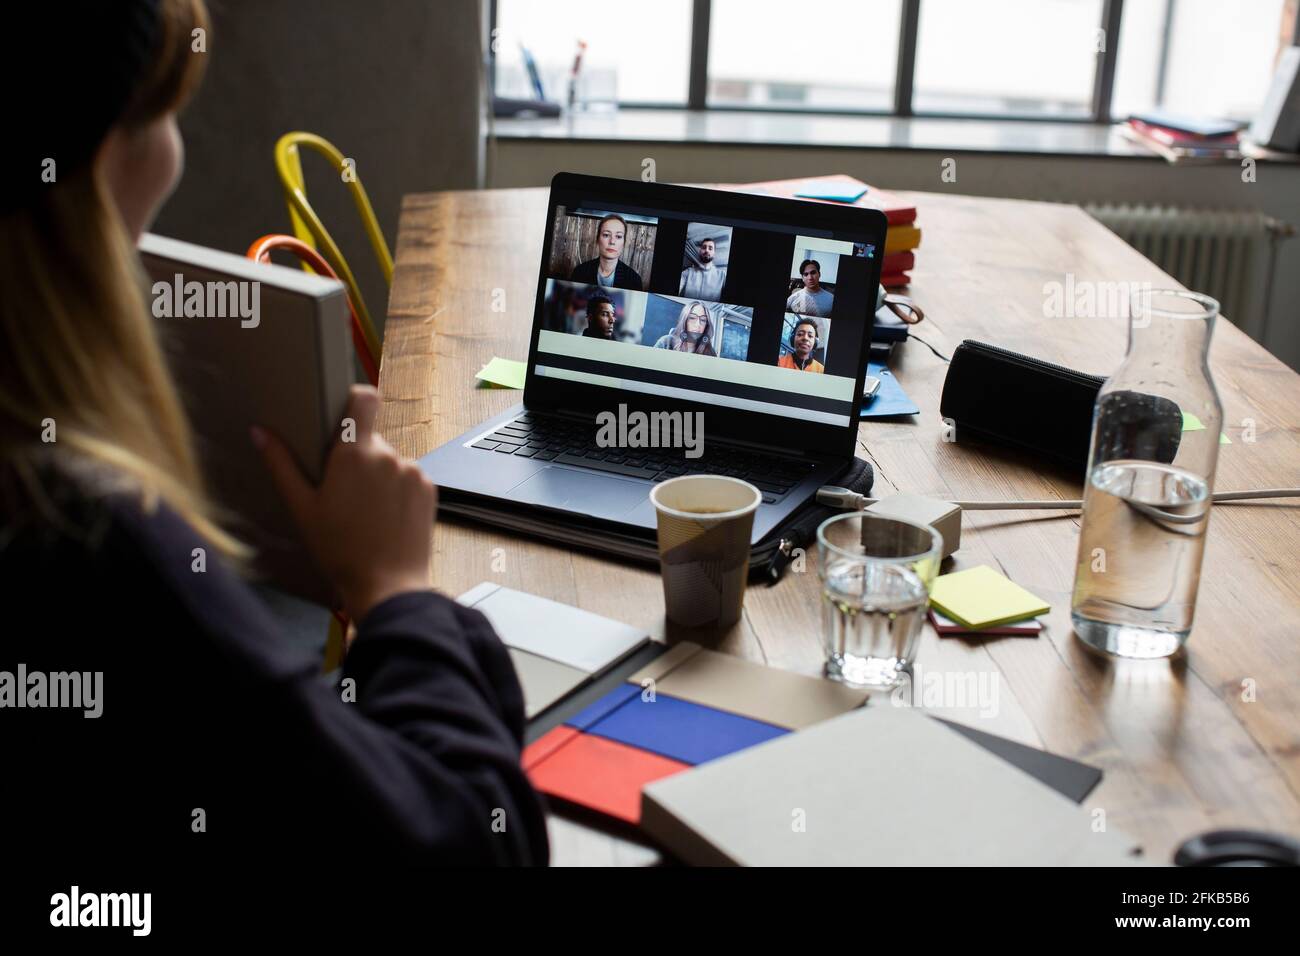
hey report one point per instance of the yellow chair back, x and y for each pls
(308, 227)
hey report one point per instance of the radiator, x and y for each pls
(1224, 253)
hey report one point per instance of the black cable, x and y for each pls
(913, 335)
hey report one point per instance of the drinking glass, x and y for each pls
(876, 574)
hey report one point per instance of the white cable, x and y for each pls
(1016, 505)
(844, 498)
(1220, 497)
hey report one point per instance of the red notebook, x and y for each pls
(897, 262)
(1173, 137)
(946, 626)
(897, 210)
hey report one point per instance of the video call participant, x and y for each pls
(803, 339)
(812, 299)
(607, 269)
(600, 317)
(704, 280)
(692, 333)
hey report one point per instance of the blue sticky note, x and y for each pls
(890, 400)
(592, 713)
(834, 190)
(680, 730)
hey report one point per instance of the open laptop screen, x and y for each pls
(749, 306)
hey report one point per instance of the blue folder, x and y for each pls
(890, 400)
(599, 709)
(680, 730)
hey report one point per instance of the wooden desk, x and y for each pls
(1209, 740)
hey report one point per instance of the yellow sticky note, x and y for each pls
(503, 372)
(981, 597)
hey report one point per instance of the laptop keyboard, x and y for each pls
(568, 442)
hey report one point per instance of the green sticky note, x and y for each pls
(981, 597)
(503, 373)
(1193, 424)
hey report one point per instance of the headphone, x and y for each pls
(815, 327)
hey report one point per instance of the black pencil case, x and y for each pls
(994, 395)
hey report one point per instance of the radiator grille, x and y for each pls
(1225, 253)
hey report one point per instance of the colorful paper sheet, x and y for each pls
(503, 373)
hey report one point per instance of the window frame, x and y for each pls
(1103, 87)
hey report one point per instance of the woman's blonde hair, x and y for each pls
(704, 344)
(80, 362)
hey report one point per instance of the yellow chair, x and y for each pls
(308, 227)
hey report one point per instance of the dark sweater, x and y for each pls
(625, 277)
(205, 707)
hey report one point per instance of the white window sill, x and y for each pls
(748, 128)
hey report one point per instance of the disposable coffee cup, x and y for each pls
(704, 526)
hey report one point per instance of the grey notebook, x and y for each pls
(249, 344)
(877, 786)
(554, 647)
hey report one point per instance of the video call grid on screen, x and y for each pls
(706, 307)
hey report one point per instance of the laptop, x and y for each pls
(677, 331)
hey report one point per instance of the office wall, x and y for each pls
(395, 85)
(1276, 190)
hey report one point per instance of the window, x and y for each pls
(1016, 57)
(1201, 57)
(635, 54)
(835, 54)
(1075, 60)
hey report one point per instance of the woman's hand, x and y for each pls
(368, 522)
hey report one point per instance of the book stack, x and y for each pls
(904, 235)
(1183, 139)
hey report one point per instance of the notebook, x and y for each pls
(281, 358)
(880, 786)
(555, 648)
(683, 708)
(661, 711)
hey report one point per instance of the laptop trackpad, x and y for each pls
(601, 496)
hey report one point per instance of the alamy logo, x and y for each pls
(651, 430)
(71, 689)
(75, 908)
(1084, 299)
(208, 300)
(958, 690)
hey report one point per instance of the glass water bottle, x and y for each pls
(1146, 502)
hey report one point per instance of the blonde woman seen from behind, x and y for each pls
(210, 734)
